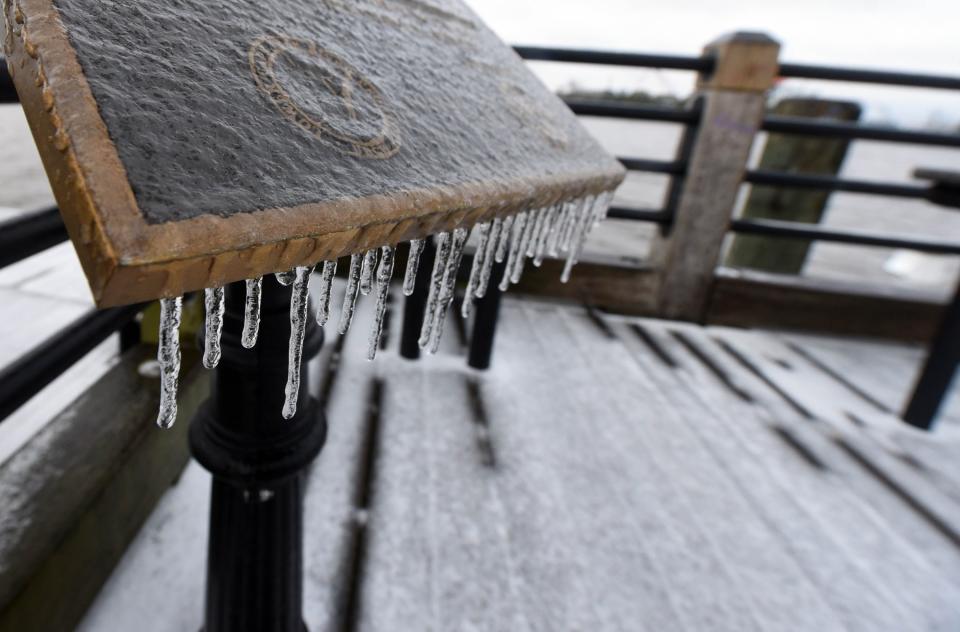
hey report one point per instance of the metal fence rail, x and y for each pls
(635, 111)
(812, 181)
(706, 65)
(613, 58)
(30, 234)
(771, 123)
(774, 228)
(24, 378)
(20, 238)
(858, 131)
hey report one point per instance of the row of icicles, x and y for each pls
(562, 228)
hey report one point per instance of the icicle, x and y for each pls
(285, 278)
(366, 274)
(298, 327)
(578, 238)
(570, 225)
(601, 205)
(413, 263)
(525, 240)
(539, 218)
(436, 280)
(350, 298)
(213, 302)
(518, 228)
(251, 313)
(168, 355)
(504, 242)
(479, 261)
(448, 287)
(489, 256)
(384, 273)
(556, 230)
(326, 285)
(548, 228)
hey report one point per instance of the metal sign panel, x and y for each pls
(194, 143)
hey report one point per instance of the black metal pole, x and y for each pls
(258, 461)
(416, 303)
(938, 370)
(486, 313)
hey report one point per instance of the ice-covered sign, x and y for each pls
(195, 143)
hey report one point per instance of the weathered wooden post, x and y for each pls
(734, 99)
(791, 153)
(196, 146)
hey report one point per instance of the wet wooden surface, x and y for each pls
(607, 474)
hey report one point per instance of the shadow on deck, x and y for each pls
(607, 474)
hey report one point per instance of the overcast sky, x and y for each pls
(918, 35)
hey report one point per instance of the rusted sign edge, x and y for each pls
(127, 260)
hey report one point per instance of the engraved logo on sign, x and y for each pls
(325, 96)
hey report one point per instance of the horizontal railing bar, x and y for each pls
(813, 181)
(773, 228)
(862, 75)
(8, 93)
(817, 127)
(27, 375)
(674, 168)
(707, 64)
(611, 58)
(30, 234)
(640, 215)
(615, 109)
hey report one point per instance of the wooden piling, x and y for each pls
(734, 101)
(790, 153)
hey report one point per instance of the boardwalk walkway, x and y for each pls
(608, 474)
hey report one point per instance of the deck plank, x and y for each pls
(713, 511)
(886, 371)
(880, 443)
(881, 555)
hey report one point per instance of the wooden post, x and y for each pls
(794, 154)
(734, 99)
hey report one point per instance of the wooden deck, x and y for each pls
(607, 474)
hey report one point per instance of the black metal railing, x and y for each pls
(23, 237)
(705, 65)
(614, 58)
(831, 183)
(636, 111)
(798, 230)
(26, 376)
(771, 123)
(940, 365)
(856, 131)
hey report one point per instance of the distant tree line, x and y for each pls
(938, 121)
(626, 96)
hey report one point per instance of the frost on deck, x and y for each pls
(561, 228)
(617, 494)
